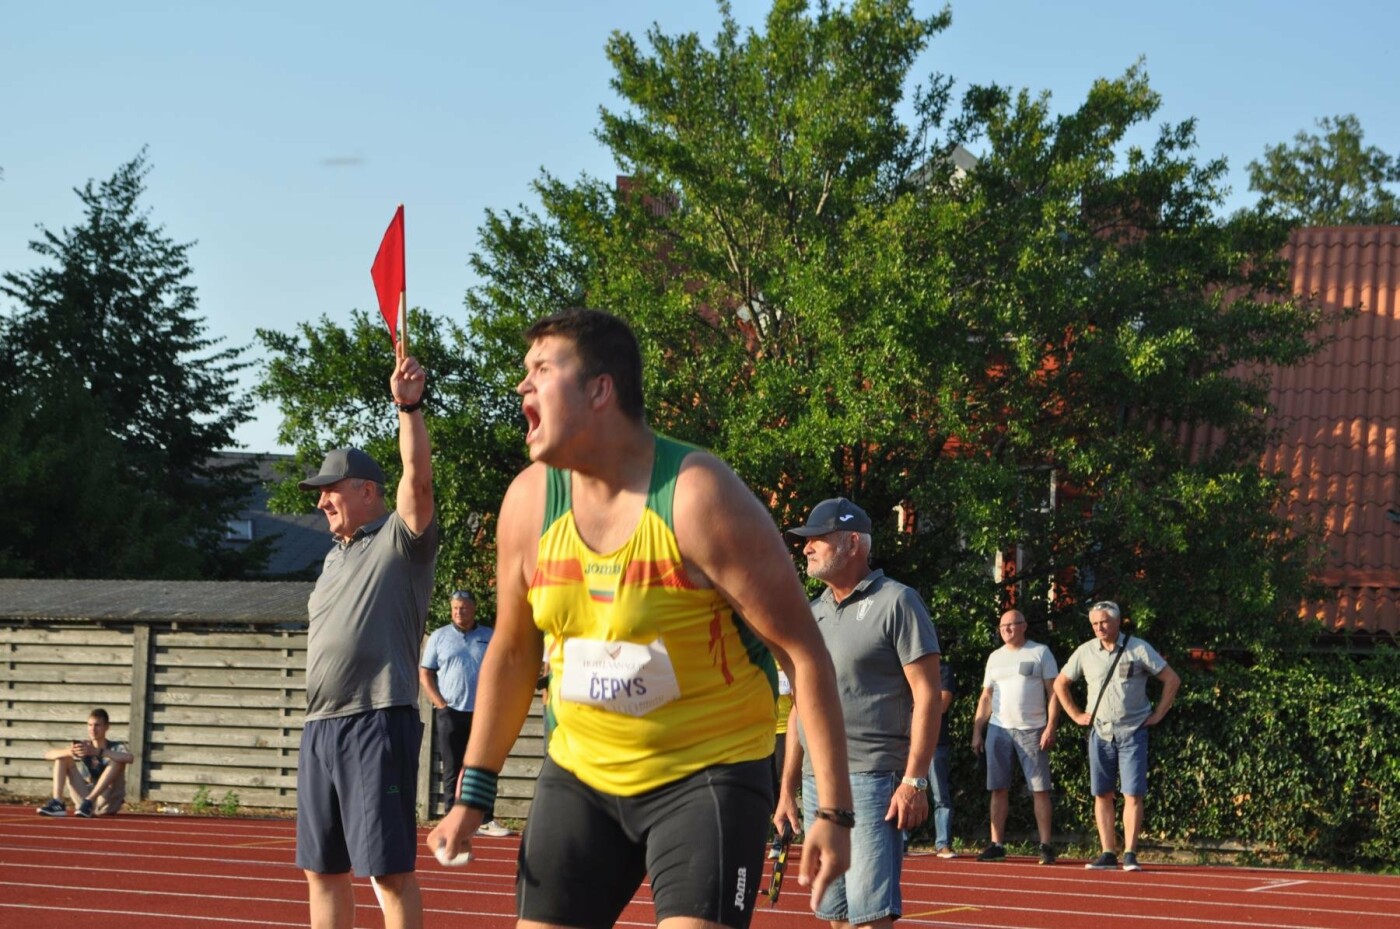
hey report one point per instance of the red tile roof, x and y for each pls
(1339, 413)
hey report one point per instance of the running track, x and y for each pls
(155, 872)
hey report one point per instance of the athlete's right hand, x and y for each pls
(826, 855)
(787, 815)
(452, 836)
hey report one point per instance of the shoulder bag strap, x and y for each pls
(1108, 677)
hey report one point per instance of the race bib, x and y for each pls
(621, 677)
(784, 685)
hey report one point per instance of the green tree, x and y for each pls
(828, 298)
(831, 304)
(121, 401)
(1328, 179)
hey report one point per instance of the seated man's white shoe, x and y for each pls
(493, 829)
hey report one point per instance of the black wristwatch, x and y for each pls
(410, 407)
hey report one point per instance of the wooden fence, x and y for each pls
(207, 708)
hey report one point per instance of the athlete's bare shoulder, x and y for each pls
(707, 484)
(522, 519)
(717, 517)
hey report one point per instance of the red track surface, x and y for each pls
(134, 871)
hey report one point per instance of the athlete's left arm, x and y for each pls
(727, 538)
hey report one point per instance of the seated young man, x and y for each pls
(94, 770)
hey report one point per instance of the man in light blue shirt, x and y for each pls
(448, 672)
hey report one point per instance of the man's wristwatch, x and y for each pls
(410, 407)
(918, 783)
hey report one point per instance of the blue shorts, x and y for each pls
(700, 840)
(357, 789)
(1003, 745)
(870, 889)
(1124, 757)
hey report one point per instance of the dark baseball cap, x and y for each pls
(341, 463)
(835, 515)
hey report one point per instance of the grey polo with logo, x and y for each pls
(1125, 706)
(881, 627)
(368, 613)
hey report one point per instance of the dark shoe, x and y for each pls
(1047, 854)
(54, 807)
(1130, 862)
(993, 852)
(1105, 862)
(84, 810)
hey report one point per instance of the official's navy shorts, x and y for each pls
(357, 781)
(701, 839)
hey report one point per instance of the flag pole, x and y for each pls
(403, 294)
(403, 317)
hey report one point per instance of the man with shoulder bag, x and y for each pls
(1116, 666)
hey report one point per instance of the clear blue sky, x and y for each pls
(283, 135)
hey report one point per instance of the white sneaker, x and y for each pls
(493, 829)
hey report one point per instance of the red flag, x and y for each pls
(388, 273)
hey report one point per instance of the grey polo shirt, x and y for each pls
(1125, 705)
(871, 635)
(367, 616)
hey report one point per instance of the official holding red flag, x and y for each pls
(357, 773)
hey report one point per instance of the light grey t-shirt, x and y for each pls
(871, 635)
(1125, 705)
(367, 614)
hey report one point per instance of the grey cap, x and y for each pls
(341, 463)
(835, 515)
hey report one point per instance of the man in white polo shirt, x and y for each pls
(1018, 701)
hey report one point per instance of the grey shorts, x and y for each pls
(1005, 745)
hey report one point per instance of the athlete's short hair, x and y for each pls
(100, 714)
(605, 345)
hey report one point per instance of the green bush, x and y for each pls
(1297, 756)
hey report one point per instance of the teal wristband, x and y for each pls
(476, 788)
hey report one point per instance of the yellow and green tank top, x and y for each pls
(701, 687)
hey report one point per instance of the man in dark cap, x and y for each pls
(357, 774)
(886, 654)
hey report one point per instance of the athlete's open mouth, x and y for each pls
(532, 420)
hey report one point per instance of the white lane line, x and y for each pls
(1001, 900)
(506, 918)
(1072, 887)
(1274, 885)
(1096, 917)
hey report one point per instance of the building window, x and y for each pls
(238, 530)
